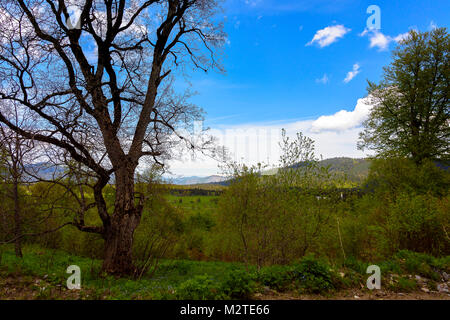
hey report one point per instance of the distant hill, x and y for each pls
(215, 179)
(356, 171)
(44, 171)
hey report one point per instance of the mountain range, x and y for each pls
(356, 170)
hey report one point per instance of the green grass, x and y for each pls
(194, 204)
(52, 264)
(186, 279)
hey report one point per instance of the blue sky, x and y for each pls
(275, 75)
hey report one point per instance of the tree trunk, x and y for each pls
(118, 245)
(119, 233)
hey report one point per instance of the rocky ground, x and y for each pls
(14, 287)
(426, 289)
(19, 287)
(357, 295)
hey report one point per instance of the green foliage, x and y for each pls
(276, 277)
(416, 222)
(356, 265)
(313, 276)
(198, 288)
(403, 284)
(419, 263)
(275, 219)
(160, 229)
(410, 111)
(238, 284)
(396, 175)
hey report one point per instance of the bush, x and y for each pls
(275, 277)
(313, 276)
(404, 285)
(419, 263)
(356, 265)
(414, 223)
(199, 288)
(239, 284)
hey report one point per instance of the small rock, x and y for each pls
(442, 288)
(418, 278)
(267, 290)
(425, 290)
(446, 276)
(342, 274)
(356, 297)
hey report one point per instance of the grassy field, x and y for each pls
(194, 204)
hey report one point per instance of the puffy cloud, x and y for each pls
(343, 119)
(381, 41)
(353, 73)
(401, 36)
(325, 37)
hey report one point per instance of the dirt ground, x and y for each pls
(32, 288)
(357, 295)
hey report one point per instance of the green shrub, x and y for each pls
(356, 265)
(276, 277)
(199, 288)
(350, 279)
(239, 284)
(443, 263)
(419, 263)
(404, 285)
(390, 266)
(313, 276)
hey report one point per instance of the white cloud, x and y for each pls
(353, 73)
(381, 41)
(323, 80)
(325, 37)
(401, 36)
(343, 119)
(334, 135)
(433, 25)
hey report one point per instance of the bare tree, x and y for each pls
(95, 75)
